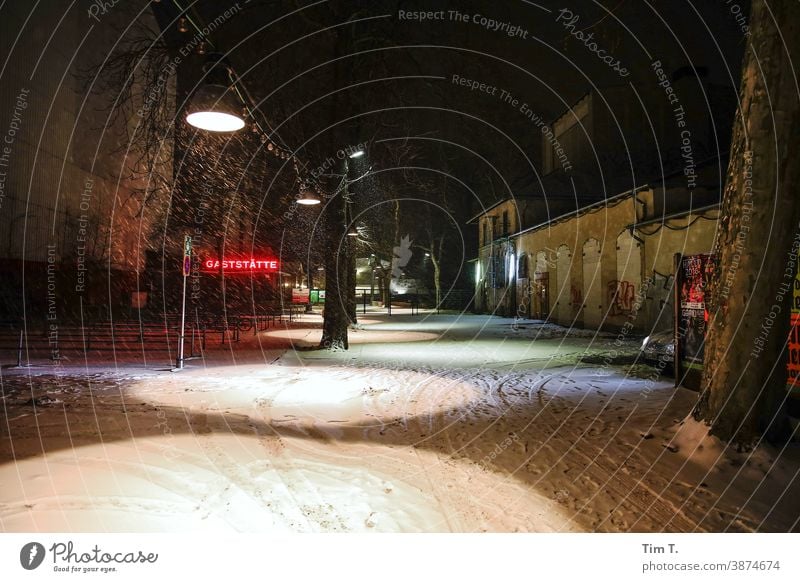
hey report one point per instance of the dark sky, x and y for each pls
(460, 86)
(400, 67)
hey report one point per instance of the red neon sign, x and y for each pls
(243, 265)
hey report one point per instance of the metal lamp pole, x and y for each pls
(310, 284)
(187, 268)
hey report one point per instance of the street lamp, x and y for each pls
(308, 197)
(214, 106)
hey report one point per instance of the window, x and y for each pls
(522, 266)
(497, 270)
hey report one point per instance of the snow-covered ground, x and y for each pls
(427, 423)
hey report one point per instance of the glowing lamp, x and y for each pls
(308, 197)
(214, 108)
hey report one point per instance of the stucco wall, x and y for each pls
(644, 303)
(603, 224)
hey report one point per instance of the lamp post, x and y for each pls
(372, 286)
(213, 108)
(351, 234)
(310, 285)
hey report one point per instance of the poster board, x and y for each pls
(693, 273)
(317, 296)
(793, 362)
(300, 295)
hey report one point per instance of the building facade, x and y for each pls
(607, 265)
(592, 239)
(497, 226)
(74, 232)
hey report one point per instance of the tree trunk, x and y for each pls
(437, 281)
(352, 306)
(745, 353)
(335, 321)
(395, 241)
(436, 253)
(387, 288)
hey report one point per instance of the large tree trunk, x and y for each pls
(335, 321)
(437, 280)
(745, 354)
(436, 253)
(352, 306)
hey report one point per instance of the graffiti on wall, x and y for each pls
(621, 297)
(660, 292)
(659, 297)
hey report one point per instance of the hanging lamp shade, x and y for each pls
(214, 108)
(308, 197)
(352, 231)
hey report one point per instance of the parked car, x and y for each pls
(658, 349)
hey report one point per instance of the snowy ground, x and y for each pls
(427, 423)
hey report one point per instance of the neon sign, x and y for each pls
(243, 265)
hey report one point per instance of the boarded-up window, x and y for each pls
(522, 266)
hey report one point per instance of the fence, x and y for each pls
(100, 336)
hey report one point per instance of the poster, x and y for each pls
(300, 295)
(695, 272)
(793, 364)
(317, 296)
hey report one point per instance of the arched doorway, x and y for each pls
(564, 291)
(629, 275)
(523, 286)
(592, 284)
(540, 290)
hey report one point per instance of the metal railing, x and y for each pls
(134, 335)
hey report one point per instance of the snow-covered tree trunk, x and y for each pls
(745, 354)
(436, 255)
(352, 305)
(437, 280)
(335, 321)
